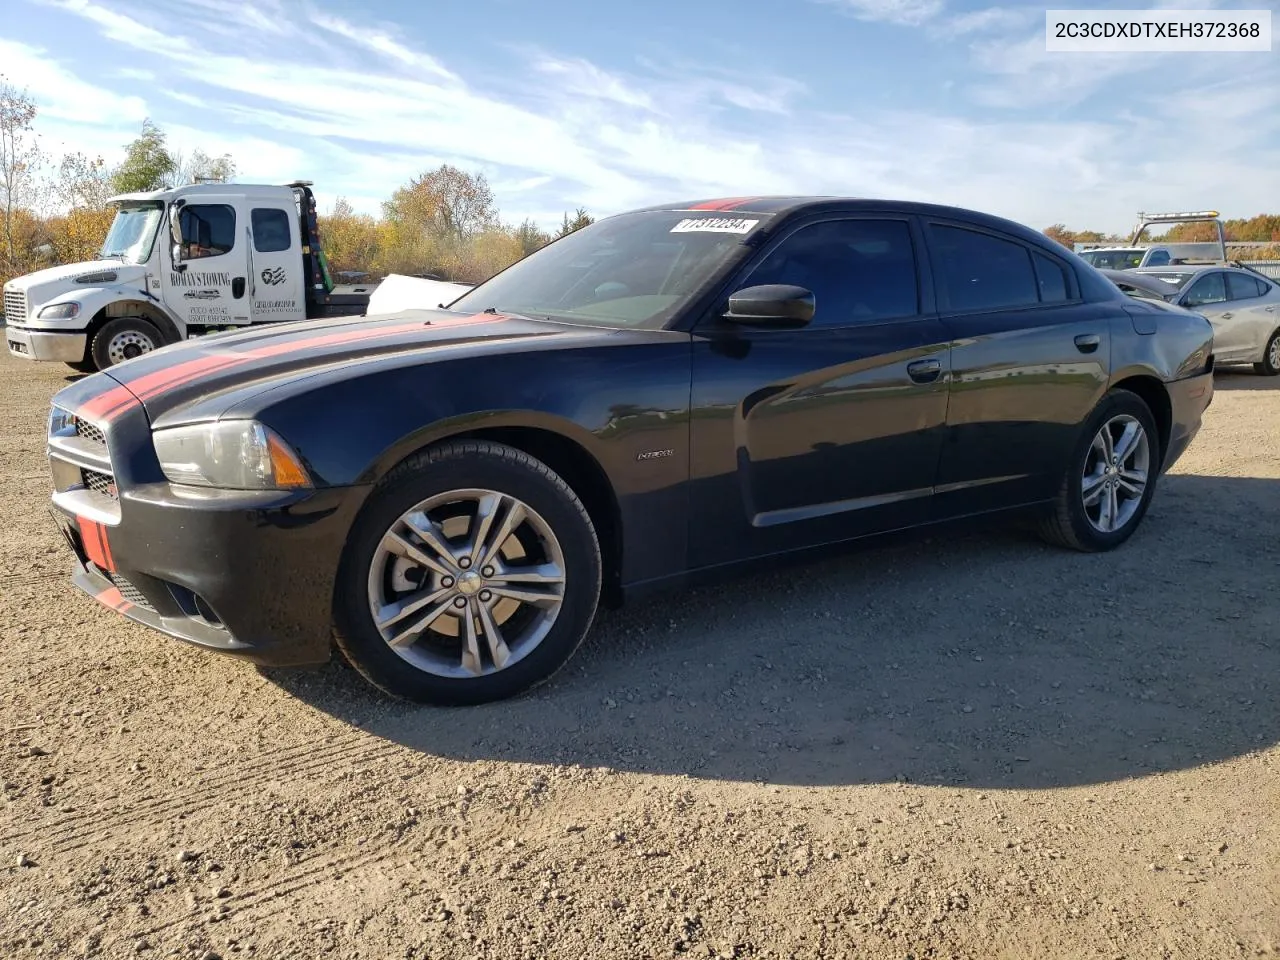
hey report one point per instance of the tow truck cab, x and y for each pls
(176, 264)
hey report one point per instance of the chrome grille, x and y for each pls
(128, 591)
(102, 484)
(15, 306)
(90, 432)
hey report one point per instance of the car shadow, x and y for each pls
(984, 659)
(1242, 378)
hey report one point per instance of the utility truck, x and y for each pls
(177, 264)
(1138, 255)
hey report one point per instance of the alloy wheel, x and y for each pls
(466, 583)
(1116, 471)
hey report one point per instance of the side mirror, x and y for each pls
(771, 305)
(175, 231)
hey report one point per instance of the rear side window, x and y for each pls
(208, 230)
(859, 271)
(1241, 287)
(270, 230)
(982, 272)
(1051, 279)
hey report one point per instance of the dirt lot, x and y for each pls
(970, 745)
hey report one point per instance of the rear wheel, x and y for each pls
(1269, 366)
(123, 339)
(1111, 479)
(473, 574)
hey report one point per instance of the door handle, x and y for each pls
(1088, 342)
(924, 371)
(237, 287)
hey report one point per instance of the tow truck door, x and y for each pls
(209, 285)
(275, 258)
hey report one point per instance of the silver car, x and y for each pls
(1242, 305)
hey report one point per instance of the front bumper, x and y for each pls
(28, 344)
(1188, 399)
(244, 573)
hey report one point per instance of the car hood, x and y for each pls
(68, 274)
(200, 378)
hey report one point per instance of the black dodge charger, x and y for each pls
(447, 494)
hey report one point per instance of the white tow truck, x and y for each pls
(1137, 255)
(177, 264)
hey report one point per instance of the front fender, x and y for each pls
(626, 409)
(479, 420)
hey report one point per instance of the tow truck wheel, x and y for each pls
(123, 339)
(472, 575)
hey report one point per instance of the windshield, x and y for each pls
(633, 270)
(1176, 281)
(1113, 259)
(131, 235)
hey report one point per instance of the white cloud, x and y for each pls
(60, 94)
(553, 132)
(382, 43)
(905, 12)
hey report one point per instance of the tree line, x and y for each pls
(1264, 228)
(444, 223)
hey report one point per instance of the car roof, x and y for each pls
(1192, 268)
(783, 205)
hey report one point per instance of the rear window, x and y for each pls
(270, 230)
(1243, 287)
(982, 272)
(1051, 278)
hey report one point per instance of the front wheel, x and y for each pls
(1111, 479)
(473, 574)
(123, 339)
(1269, 366)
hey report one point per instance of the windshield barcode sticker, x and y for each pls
(714, 225)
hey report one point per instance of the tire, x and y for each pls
(1269, 365)
(1071, 523)
(432, 665)
(83, 366)
(122, 339)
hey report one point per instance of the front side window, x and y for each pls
(859, 271)
(982, 272)
(1210, 288)
(270, 230)
(208, 230)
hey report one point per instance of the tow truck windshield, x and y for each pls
(132, 234)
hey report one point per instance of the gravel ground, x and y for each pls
(963, 745)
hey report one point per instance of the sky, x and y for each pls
(611, 106)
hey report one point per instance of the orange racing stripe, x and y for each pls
(110, 597)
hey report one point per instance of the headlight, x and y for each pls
(62, 423)
(60, 311)
(233, 454)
